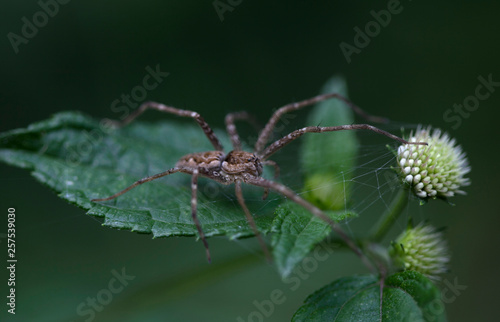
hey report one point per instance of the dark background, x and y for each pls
(262, 55)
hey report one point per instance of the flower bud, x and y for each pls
(435, 170)
(421, 249)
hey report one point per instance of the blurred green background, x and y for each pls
(262, 55)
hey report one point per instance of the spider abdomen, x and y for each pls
(209, 164)
(223, 168)
(204, 161)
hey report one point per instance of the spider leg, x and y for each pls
(194, 189)
(265, 194)
(276, 175)
(285, 191)
(275, 165)
(139, 182)
(231, 128)
(250, 220)
(272, 148)
(172, 110)
(266, 132)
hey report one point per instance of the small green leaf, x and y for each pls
(81, 159)
(327, 162)
(407, 296)
(296, 234)
(328, 159)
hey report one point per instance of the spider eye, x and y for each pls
(249, 160)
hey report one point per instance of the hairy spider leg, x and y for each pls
(288, 193)
(235, 138)
(272, 148)
(276, 175)
(231, 128)
(194, 189)
(251, 222)
(139, 182)
(266, 132)
(194, 206)
(172, 110)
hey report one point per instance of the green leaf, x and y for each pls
(296, 234)
(327, 162)
(81, 159)
(407, 296)
(328, 159)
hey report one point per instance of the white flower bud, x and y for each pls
(435, 170)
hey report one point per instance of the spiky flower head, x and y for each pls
(435, 170)
(421, 249)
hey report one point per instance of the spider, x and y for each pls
(237, 166)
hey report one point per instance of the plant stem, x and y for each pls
(353, 246)
(390, 216)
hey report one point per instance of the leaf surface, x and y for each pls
(81, 159)
(406, 296)
(329, 158)
(296, 233)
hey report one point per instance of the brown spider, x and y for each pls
(239, 166)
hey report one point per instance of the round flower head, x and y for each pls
(421, 249)
(433, 170)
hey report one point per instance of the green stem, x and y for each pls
(390, 216)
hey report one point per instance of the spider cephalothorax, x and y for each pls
(239, 166)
